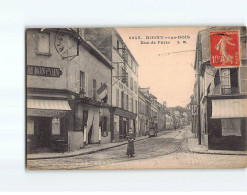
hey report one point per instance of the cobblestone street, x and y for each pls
(168, 150)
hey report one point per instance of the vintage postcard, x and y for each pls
(136, 98)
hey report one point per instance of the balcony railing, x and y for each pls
(230, 91)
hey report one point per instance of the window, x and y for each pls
(117, 97)
(135, 86)
(129, 61)
(94, 89)
(43, 43)
(127, 102)
(131, 83)
(82, 82)
(122, 99)
(124, 74)
(132, 105)
(243, 79)
(229, 81)
(119, 48)
(118, 69)
(134, 68)
(118, 45)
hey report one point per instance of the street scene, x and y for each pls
(136, 98)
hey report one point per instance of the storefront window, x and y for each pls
(30, 127)
(55, 126)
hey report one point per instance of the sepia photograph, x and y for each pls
(136, 98)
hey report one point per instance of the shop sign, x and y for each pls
(125, 89)
(43, 71)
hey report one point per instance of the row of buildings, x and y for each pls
(219, 102)
(82, 88)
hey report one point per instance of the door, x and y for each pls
(124, 129)
(43, 125)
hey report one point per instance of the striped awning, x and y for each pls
(48, 104)
(229, 108)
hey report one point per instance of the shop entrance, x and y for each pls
(43, 132)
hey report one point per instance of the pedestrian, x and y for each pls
(130, 147)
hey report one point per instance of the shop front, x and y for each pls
(123, 122)
(46, 124)
(227, 123)
(92, 123)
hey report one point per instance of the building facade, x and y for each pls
(145, 93)
(154, 112)
(223, 95)
(68, 91)
(142, 119)
(124, 80)
(161, 117)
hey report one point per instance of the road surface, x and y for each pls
(168, 150)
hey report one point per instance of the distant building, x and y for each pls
(161, 117)
(142, 115)
(144, 92)
(154, 112)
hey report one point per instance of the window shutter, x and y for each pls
(43, 45)
(243, 79)
(77, 80)
(86, 84)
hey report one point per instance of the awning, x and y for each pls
(47, 108)
(124, 113)
(229, 108)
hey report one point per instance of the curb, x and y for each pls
(217, 153)
(82, 153)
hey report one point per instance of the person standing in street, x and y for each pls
(130, 146)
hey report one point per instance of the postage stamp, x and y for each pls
(224, 48)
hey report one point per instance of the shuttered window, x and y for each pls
(243, 79)
(84, 83)
(43, 43)
(117, 97)
(94, 89)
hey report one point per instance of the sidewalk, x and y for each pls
(89, 149)
(201, 149)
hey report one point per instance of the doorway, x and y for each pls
(43, 132)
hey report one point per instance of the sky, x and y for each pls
(170, 76)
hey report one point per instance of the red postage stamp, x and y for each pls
(224, 48)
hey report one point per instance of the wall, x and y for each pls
(52, 60)
(75, 140)
(70, 79)
(106, 139)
